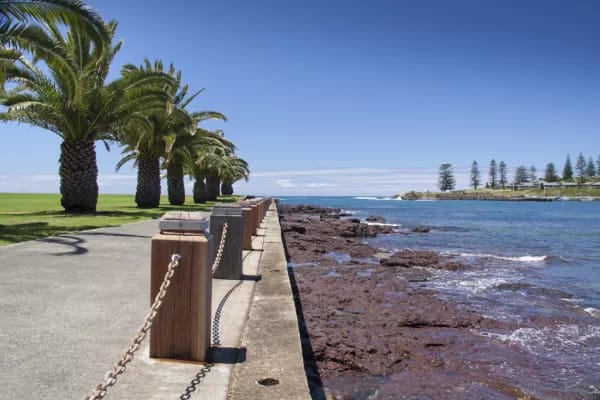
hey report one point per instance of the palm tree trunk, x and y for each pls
(213, 185)
(226, 189)
(200, 193)
(78, 176)
(175, 183)
(147, 194)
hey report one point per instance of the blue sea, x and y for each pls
(535, 266)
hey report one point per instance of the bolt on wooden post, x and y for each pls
(181, 329)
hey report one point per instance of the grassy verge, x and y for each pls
(505, 194)
(564, 192)
(32, 216)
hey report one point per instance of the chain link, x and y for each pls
(219, 255)
(111, 377)
(196, 381)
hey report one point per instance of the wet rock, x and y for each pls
(534, 290)
(412, 258)
(420, 229)
(375, 332)
(294, 228)
(513, 286)
(307, 209)
(375, 218)
(420, 258)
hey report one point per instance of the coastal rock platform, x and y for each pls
(372, 330)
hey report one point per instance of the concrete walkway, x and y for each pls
(70, 306)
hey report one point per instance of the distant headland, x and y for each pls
(576, 194)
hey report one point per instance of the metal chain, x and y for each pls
(219, 255)
(196, 381)
(111, 377)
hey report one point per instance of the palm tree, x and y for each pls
(208, 161)
(18, 16)
(72, 100)
(183, 152)
(146, 145)
(21, 21)
(233, 170)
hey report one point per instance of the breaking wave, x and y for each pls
(377, 198)
(556, 337)
(382, 224)
(526, 259)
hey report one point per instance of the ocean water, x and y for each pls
(534, 266)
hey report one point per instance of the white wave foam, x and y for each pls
(557, 337)
(469, 283)
(526, 259)
(377, 198)
(481, 284)
(349, 212)
(382, 224)
(594, 312)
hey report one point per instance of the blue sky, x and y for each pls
(360, 97)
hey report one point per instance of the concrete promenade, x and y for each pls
(71, 305)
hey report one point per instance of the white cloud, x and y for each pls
(54, 178)
(346, 181)
(331, 181)
(316, 185)
(116, 177)
(285, 183)
(49, 183)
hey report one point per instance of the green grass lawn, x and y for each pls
(25, 216)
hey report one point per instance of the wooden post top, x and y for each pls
(183, 221)
(227, 209)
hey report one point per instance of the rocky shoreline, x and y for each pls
(375, 332)
(488, 195)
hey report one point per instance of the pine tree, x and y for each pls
(493, 174)
(503, 174)
(521, 175)
(475, 175)
(580, 168)
(590, 170)
(550, 174)
(446, 179)
(532, 174)
(567, 174)
(598, 166)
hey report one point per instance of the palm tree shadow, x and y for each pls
(66, 240)
(15, 233)
(115, 234)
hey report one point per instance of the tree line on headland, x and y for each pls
(584, 171)
(54, 60)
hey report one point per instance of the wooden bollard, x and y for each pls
(247, 232)
(265, 207)
(181, 329)
(231, 259)
(260, 212)
(255, 218)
